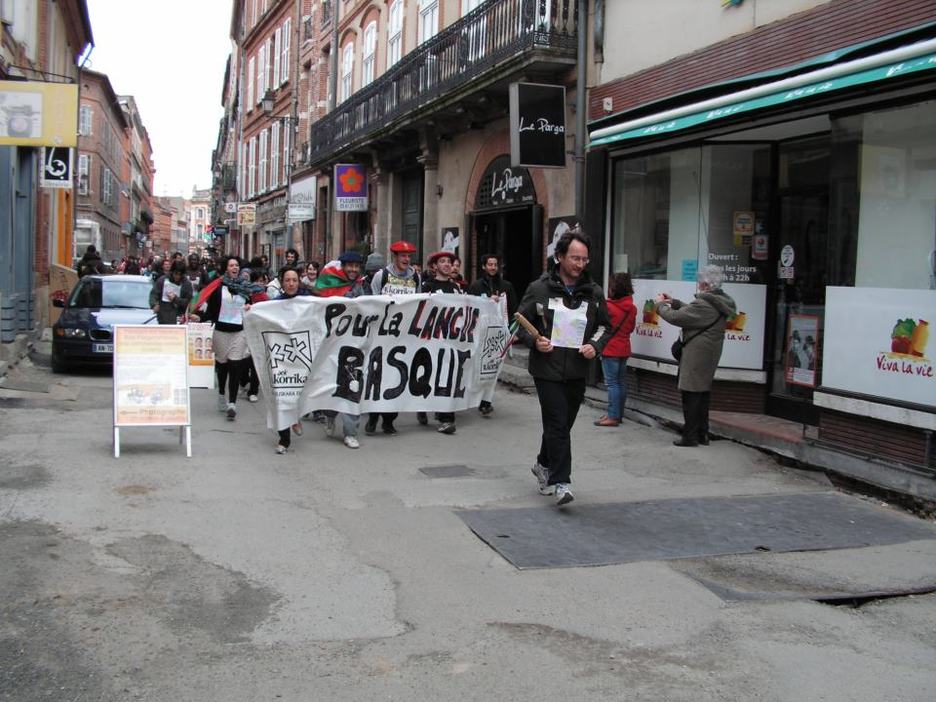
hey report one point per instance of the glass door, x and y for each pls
(802, 273)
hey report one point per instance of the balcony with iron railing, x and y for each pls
(495, 39)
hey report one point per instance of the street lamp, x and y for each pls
(266, 103)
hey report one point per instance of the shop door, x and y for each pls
(802, 273)
(412, 205)
(516, 238)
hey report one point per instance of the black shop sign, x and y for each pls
(537, 125)
(503, 185)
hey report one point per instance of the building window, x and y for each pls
(284, 59)
(263, 161)
(84, 120)
(469, 5)
(250, 83)
(199, 213)
(370, 54)
(428, 19)
(347, 71)
(252, 168)
(261, 73)
(242, 186)
(274, 155)
(395, 33)
(84, 168)
(286, 158)
(277, 49)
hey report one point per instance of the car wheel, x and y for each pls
(58, 365)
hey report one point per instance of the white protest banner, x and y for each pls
(430, 353)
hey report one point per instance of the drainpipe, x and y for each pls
(580, 122)
(332, 102)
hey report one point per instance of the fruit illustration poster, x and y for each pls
(878, 342)
(744, 333)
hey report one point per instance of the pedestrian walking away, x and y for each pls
(490, 283)
(703, 324)
(399, 278)
(569, 317)
(623, 318)
(170, 295)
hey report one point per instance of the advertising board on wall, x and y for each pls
(34, 113)
(350, 187)
(878, 343)
(744, 335)
(56, 169)
(302, 199)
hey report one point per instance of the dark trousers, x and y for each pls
(284, 438)
(559, 405)
(250, 378)
(695, 407)
(445, 417)
(229, 373)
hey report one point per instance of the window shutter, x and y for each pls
(277, 49)
(284, 61)
(261, 73)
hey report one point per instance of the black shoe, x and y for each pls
(422, 418)
(389, 429)
(683, 442)
(486, 408)
(704, 440)
(370, 428)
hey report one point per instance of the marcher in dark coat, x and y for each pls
(703, 331)
(91, 262)
(170, 305)
(567, 308)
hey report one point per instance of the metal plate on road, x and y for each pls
(452, 471)
(606, 534)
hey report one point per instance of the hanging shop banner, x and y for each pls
(350, 187)
(200, 355)
(431, 353)
(878, 343)
(56, 169)
(744, 335)
(38, 114)
(302, 199)
(503, 185)
(802, 349)
(150, 375)
(537, 125)
(246, 214)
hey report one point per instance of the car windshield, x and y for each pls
(115, 291)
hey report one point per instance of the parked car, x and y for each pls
(83, 334)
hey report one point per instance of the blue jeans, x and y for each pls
(615, 377)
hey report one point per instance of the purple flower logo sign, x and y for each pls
(350, 187)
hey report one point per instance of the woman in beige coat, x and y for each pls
(703, 332)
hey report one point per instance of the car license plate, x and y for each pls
(102, 348)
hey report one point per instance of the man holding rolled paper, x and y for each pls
(564, 321)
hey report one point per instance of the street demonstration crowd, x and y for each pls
(564, 303)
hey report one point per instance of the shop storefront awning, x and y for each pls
(884, 66)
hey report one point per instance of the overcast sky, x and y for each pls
(170, 56)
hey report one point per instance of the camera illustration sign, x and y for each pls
(878, 343)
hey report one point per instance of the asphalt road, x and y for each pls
(332, 574)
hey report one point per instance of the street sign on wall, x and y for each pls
(537, 125)
(350, 187)
(56, 170)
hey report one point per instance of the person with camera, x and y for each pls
(699, 348)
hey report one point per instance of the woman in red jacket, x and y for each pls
(614, 357)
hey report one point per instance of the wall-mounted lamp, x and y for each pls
(267, 102)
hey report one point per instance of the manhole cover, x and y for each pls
(452, 471)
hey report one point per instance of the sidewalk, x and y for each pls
(790, 440)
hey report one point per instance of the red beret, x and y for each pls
(402, 247)
(439, 254)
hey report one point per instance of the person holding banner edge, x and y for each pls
(564, 322)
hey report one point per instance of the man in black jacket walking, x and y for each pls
(569, 312)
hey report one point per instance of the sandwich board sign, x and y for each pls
(151, 380)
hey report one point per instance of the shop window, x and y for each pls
(897, 187)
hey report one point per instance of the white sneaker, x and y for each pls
(280, 449)
(542, 479)
(231, 411)
(329, 426)
(351, 442)
(252, 398)
(563, 494)
(222, 403)
(297, 428)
